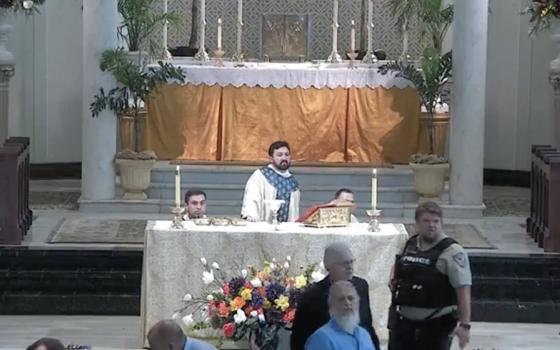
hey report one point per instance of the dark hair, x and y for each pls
(277, 145)
(428, 207)
(49, 343)
(341, 191)
(191, 193)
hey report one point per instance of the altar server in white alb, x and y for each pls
(273, 181)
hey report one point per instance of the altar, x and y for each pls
(172, 264)
(328, 112)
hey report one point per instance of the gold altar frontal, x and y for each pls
(339, 125)
(332, 216)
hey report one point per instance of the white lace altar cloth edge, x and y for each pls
(172, 264)
(290, 75)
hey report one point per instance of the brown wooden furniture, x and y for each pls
(543, 224)
(15, 215)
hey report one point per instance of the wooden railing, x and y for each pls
(15, 215)
(543, 225)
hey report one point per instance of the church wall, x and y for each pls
(46, 91)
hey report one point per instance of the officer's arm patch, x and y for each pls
(460, 259)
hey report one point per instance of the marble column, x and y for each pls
(554, 79)
(7, 63)
(100, 20)
(466, 148)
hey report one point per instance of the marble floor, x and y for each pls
(118, 332)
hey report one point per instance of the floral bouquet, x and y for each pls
(542, 12)
(255, 304)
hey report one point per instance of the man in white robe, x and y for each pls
(273, 181)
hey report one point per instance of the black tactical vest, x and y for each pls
(418, 281)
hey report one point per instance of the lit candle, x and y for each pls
(240, 11)
(177, 187)
(219, 34)
(353, 37)
(374, 190)
(335, 25)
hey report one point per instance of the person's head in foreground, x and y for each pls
(166, 335)
(279, 155)
(47, 344)
(344, 305)
(339, 261)
(429, 221)
(195, 201)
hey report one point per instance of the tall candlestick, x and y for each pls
(219, 33)
(370, 55)
(202, 55)
(374, 190)
(177, 187)
(238, 55)
(353, 37)
(165, 26)
(334, 57)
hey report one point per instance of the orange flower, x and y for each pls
(223, 310)
(237, 303)
(262, 292)
(290, 281)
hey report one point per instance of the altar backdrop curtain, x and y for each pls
(357, 125)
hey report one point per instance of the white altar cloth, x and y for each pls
(291, 75)
(172, 265)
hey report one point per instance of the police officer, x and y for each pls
(431, 289)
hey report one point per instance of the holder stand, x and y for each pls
(202, 55)
(219, 57)
(177, 222)
(374, 216)
(352, 56)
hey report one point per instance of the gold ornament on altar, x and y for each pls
(334, 214)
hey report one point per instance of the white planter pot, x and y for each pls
(139, 58)
(429, 180)
(135, 177)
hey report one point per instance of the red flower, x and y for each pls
(226, 289)
(248, 285)
(229, 330)
(289, 316)
(223, 310)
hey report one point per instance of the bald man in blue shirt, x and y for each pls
(343, 331)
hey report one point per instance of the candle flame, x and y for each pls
(219, 21)
(353, 23)
(374, 172)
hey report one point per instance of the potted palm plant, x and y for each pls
(430, 170)
(128, 100)
(138, 26)
(434, 17)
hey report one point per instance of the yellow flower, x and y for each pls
(266, 305)
(301, 281)
(246, 294)
(283, 303)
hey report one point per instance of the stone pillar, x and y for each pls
(100, 18)
(7, 63)
(554, 79)
(469, 84)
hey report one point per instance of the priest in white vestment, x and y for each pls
(273, 181)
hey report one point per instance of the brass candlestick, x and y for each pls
(219, 57)
(374, 216)
(352, 56)
(177, 222)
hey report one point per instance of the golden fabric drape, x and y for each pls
(322, 125)
(311, 120)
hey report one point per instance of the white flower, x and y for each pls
(256, 282)
(239, 317)
(207, 277)
(273, 266)
(188, 320)
(286, 265)
(187, 297)
(203, 261)
(261, 318)
(210, 297)
(215, 266)
(317, 276)
(28, 4)
(244, 273)
(273, 259)
(289, 258)
(322, 266)
(176, 316)
(254, 313)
